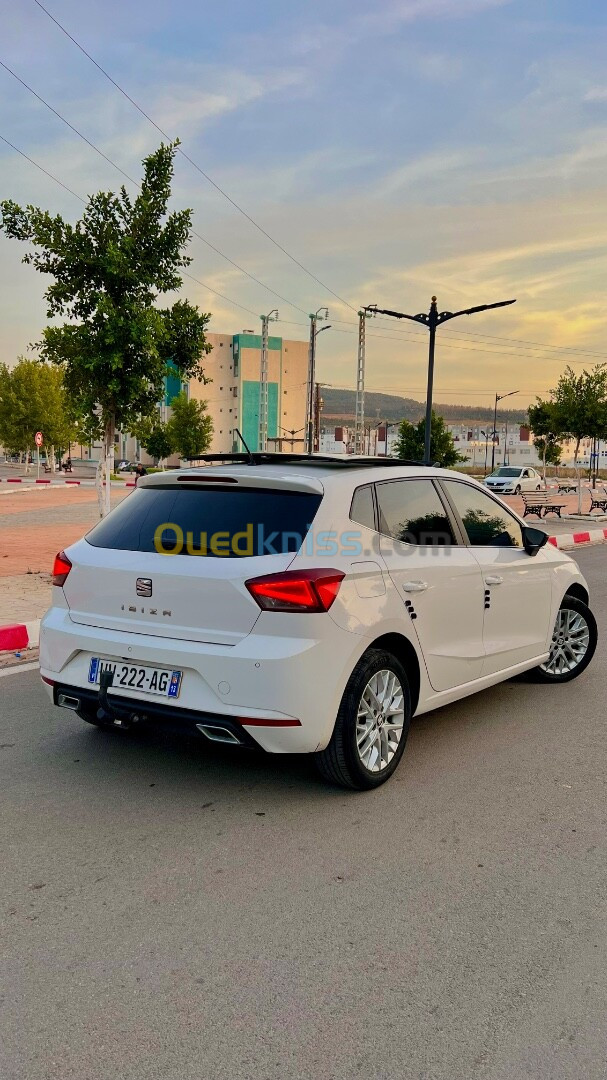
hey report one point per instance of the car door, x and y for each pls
(437, 577)
(518, 587)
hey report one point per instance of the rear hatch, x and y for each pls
(172, 559)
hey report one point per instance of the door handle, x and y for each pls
(495, 579)
(415, 586)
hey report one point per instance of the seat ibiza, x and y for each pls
(307, 605)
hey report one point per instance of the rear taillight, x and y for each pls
(61, 568)
(296, 590)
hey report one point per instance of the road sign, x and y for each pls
(38, 438)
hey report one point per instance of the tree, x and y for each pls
(154, 437)
(33, 398)
(550, 450)
(442, 447)
(190, 427)
(546, 424)
(579, 404)
(108, 270)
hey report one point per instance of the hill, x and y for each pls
(340, 405)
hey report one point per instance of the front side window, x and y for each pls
(411, 511)
(487, 524)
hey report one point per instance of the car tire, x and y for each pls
(363, 753)
(517, 489)
(573, 643)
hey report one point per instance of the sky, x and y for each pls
(395, 150)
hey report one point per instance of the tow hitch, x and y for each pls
(104, 712)
(106, 679)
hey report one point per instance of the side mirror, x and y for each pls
(533, 539)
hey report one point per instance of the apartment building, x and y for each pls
(233, 395)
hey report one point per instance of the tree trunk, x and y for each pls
(544, 462)
(105, 468)
(578, 473)
(51, 451)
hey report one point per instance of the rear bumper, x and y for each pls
(269, 678)
(128, 713)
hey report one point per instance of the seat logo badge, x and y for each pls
(144, 586)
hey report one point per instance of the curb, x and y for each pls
(17, 636)
(62, 483)
(566, 541)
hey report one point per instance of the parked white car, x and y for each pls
(307, 604)
(511, 480)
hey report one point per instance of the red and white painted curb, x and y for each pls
(17, 636)
(566, 541)
(61, 483)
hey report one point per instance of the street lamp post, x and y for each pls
(292, 432)
(322, 313)
(432, 321)
(499, 397)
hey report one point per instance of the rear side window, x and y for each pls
(411, 511)
(362, 510)
(214, 523)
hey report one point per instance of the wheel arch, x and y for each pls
(578, 591)
(403, 650)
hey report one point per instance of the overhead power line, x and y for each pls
(461, 348)
(136, 184)
(185, 273)
(195, 165)
(42, 170)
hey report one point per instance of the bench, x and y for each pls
(598, 500)
(567, 487)
(541, 503)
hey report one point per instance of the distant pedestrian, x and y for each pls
(68, 464)
(140, 470)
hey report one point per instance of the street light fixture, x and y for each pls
(432, 320)
(499, 397)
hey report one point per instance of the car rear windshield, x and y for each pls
(214, 522)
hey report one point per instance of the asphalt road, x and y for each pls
(181, 912)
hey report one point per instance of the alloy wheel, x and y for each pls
(570, 641)
(380, 721)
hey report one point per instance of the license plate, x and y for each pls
(153, 680)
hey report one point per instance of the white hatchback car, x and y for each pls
(308, 605)
(510, 479)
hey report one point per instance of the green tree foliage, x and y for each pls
(190, 427)
(108, 271)
(577, 409)
(549, 449)
(546, 425)
(33, 398)
(154, 437)
(442, 447)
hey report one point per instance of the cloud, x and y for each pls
(596, 93)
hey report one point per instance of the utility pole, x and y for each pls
(322, 313)
(499, 397)
(262, 437)
(318, 407)
(359, 423)
(432, 321)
